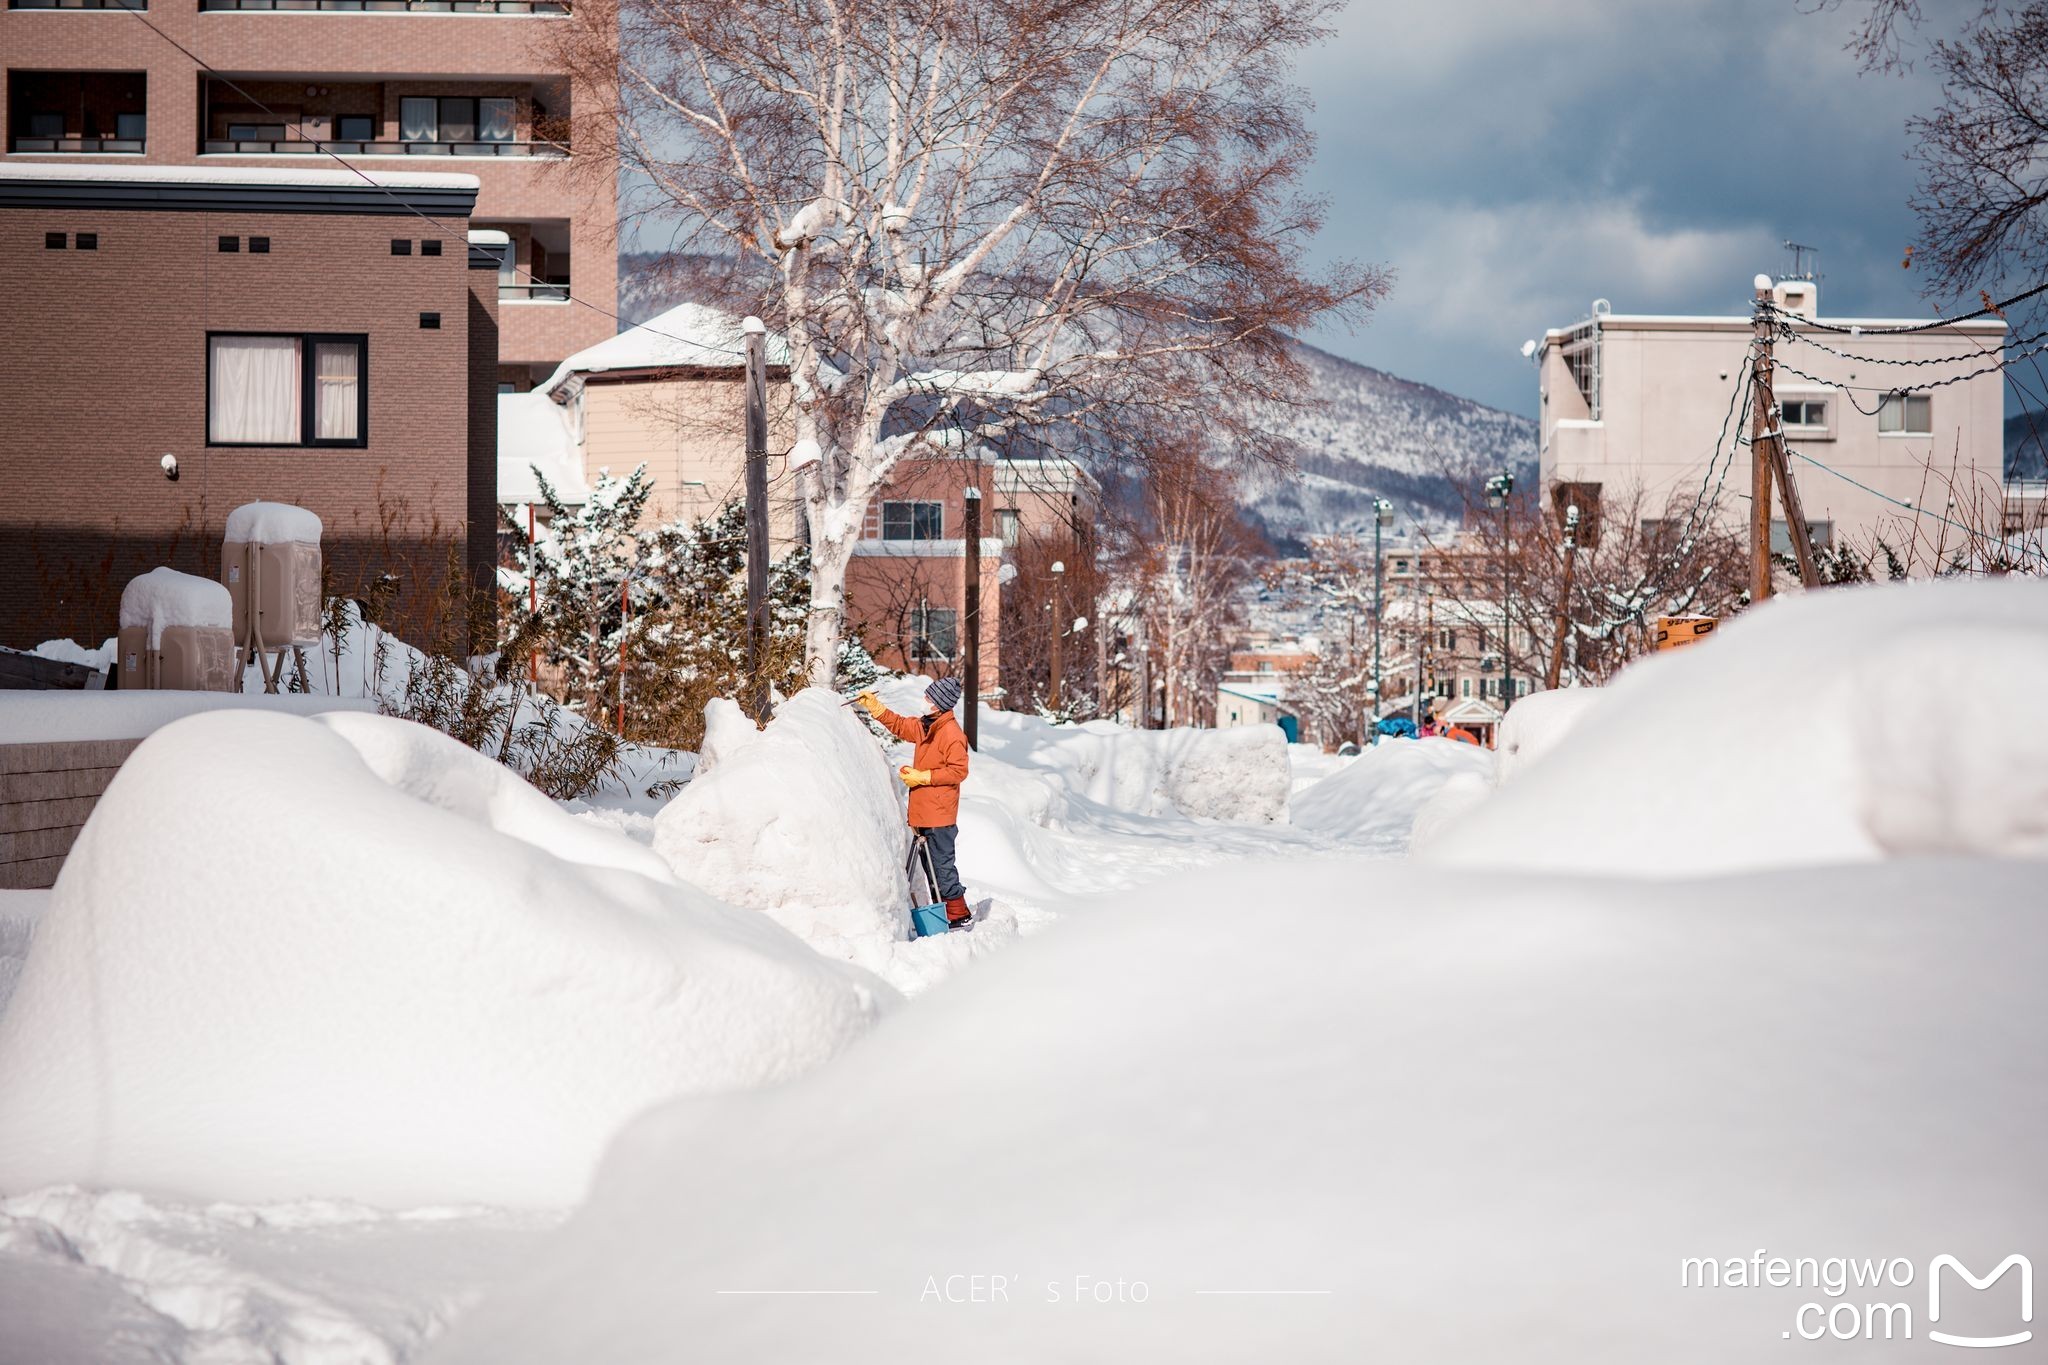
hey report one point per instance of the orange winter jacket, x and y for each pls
(942, 752)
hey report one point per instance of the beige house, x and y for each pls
(666, 394)
(1635, 402)
(1045, 498)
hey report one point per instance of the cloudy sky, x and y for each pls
(1513, 160)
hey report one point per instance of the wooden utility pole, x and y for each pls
(970, 600)
(1564, 599)
(757, 519)
(1767, 464)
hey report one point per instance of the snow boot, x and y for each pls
(958, 916)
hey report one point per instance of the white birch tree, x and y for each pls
(977, 220)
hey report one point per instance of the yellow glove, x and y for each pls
(870, 703)
(914, 777)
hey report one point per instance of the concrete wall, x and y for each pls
(1665, 389)
(46, 793)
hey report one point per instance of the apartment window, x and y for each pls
(230, 244)
(356, 128)
(430, 321)
(933, 633)
(1906, 414)
(1465, 686)
(401, 246)
(1008, 525)
(1804, 416)
(255, 132)
(45, 123)
(88, 241)
(269, 390)
(457, 119)
(131, 127)
(430, 246)
(912, 520)
(259, 246)
(53, 241)
(1400, 566)
(1821, 533)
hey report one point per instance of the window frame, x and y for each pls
(915, 506)
(308, 391)
(1904, 399)
(1821, 430)
(918, 627)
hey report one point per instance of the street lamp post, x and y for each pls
(1383, 517)
(1500, 491)
(1059, 571)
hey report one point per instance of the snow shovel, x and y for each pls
(925, 920)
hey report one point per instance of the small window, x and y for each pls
(286, 390)
(355, 128)
(430, 321)
(1465, 686)
(1821, 533)
(401, 246)
(53, 241)
(497, 120)
(932, 633)
(430, 246)
(231, 244)
(912, 520)
(1906, 414)
(88, 241)
(1804, 414)
(255, 132)
(1400, 566)
(259, 246)
(1008, 525)
(44, 123)
(131, 127)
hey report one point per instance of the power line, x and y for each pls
(1791, 333)
(1849, 329)
(1904, 503)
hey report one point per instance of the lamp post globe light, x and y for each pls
(1500, 491)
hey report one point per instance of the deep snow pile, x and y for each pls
(1240, 775)
(1538, 723)
(1837, 726)
(1486, 1118)
(1374, 800)
(48, 717)
(349, 957)
(802, 819)
(163, 598)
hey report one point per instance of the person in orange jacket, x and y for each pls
(934, 775)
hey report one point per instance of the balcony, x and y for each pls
(78, 4)
(78, 112)
(391, 6)
(258, 117)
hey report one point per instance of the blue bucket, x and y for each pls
(928, 919)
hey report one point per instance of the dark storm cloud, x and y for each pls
(1514, 161)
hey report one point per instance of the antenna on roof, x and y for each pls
(1805, 262)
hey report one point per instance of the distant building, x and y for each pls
(1635, 402)
(1240, 704)
(906, 586)
(255, 331)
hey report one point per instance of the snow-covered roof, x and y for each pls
(692, 335)
(1268, 696)
(489, 237)
(533, 430)
(236, 175)
(1730, 322)
(272, 523)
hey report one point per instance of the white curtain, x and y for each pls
(255, 383)
(498, 120)
(419, 120)
(336, 389)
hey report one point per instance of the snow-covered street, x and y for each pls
(1212, 1042)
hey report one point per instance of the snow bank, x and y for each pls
(272, 523)
(803, 820)
(1374, 800)
(49, 717)
(1239, 775)
(354, 959)
(1836, 726)
(1538, 723)
(164, 597)
(1486, 1118)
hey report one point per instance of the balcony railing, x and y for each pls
(76, 146)
(307, 146)
(78, 4)
(397, 6)
(533, 292)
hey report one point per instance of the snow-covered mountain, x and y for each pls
(1363, 433)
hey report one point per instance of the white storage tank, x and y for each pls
(176, 633)
(270, 564)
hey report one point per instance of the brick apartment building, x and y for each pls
(291, 335)
(382, 83)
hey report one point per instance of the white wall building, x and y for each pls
(1637, 402)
